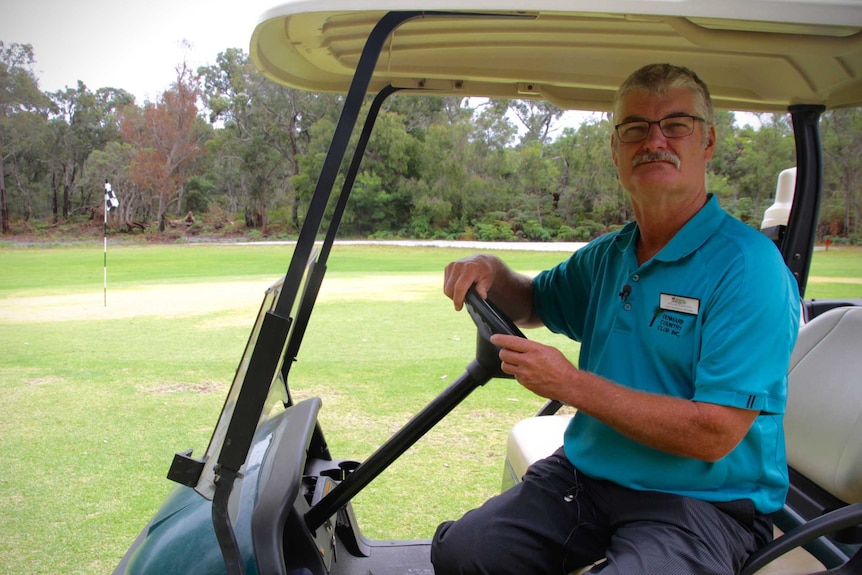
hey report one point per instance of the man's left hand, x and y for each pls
(542, 369)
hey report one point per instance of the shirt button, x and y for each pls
(636, 277)
(627, 307)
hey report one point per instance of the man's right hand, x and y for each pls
(479, 270)
(510, 291)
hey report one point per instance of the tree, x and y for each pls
(418, 113)
(21, 103)
(591, 198)
(538, 177)
(27, 169)
(537, 117)
(747, 162)
(264, 132)
(842, 147)
(380, 200)
(168, 138)
(463, 173)
(82, 122)
(113, 163)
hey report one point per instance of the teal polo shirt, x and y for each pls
(713, 317)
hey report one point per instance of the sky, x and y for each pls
(135, 46)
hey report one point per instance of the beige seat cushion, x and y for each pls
(823, 423)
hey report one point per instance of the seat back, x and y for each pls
(823, 421)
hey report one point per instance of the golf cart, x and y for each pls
(269, 497)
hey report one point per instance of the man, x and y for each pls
(686, 318)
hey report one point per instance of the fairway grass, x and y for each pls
(99, 393)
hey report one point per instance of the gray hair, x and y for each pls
(659, 78)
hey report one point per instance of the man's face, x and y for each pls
(659, 164)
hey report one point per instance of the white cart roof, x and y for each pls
(758, 55)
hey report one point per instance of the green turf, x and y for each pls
(94, 408)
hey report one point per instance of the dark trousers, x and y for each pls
(558, 520)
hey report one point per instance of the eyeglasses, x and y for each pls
(671, 127)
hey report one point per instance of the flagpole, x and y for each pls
(111, 204)
(105, 266)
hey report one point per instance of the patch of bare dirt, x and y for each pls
(171, 300)
(200, 388)
(820, 279)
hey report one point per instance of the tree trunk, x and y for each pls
(163, 208)
(294, 197)
(68, 182)
(55, 218)
(180, 200)
(4, 207)
(4, 210)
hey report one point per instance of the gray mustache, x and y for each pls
(656, 157)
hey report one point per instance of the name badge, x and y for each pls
(682, 304)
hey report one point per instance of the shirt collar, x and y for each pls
(694, 233)
(625, 239)
(690, 237)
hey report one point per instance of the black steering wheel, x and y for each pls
(488, 317)
(489, 320)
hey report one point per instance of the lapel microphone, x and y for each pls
(627, 290)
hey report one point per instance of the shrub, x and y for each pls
(534, 231)
(496, 231)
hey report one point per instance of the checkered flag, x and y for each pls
(111, 201)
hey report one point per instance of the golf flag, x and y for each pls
(111, 201)
(111, 204)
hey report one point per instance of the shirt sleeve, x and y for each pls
(561, 295)
(749, 331)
